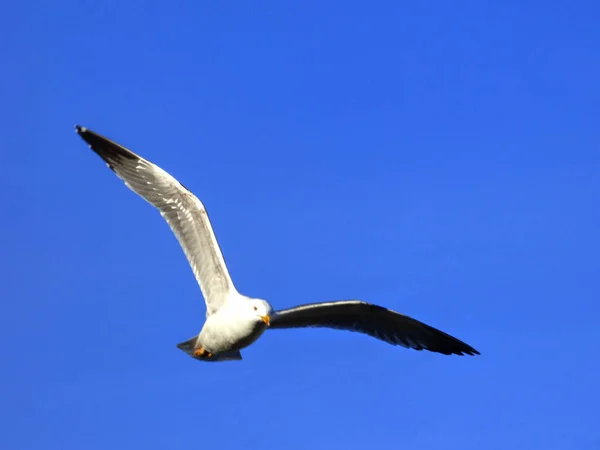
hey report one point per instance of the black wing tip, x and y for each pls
(449, 345)
(456, 347)
(88, 136)
(84, 133)
(470, 352)
(465, 350)
(107, 149)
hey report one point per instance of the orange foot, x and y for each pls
(202, 353)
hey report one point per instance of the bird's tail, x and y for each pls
(190, 345)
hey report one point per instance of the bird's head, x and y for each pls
(261, 309)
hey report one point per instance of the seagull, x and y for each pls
(234, 321)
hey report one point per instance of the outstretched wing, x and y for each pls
(184, 213)
(376, 321)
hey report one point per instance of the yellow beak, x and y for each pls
(266, 319)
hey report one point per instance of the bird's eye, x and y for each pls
(255, 308)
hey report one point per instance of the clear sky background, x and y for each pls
(439, 158)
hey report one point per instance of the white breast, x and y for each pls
(228, 330)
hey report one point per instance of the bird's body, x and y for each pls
(235, 321)
(231, 328)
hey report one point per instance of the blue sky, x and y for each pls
(439, 159)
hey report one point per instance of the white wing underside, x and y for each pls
(183, 211)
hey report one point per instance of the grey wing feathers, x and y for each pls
(373, 320)
(184, 213)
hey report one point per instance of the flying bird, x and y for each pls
(233, 320)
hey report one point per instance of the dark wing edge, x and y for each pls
(113, 154)
(105, 148)
(373, 320)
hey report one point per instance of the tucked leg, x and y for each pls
(202, 353)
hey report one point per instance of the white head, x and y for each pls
(261, 309)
